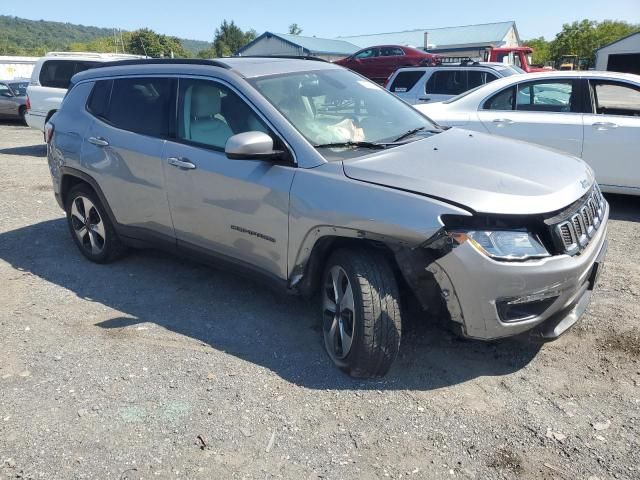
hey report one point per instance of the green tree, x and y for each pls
(229, 38)
(295, 29)
(147, 42)
(541, 50)
(583, 38)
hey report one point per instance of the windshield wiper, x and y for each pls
(413, 131)
(373, 146)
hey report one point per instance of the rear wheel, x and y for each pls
(90, 227)
(361, 312)
(22, 111)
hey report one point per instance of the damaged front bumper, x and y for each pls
(489, 299)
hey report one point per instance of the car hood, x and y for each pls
(482, 172)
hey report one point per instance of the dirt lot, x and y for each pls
(154, 367)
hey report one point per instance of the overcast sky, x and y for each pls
(197, 19)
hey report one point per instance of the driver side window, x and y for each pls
(368, 53)
(4, 90)
(209, 113)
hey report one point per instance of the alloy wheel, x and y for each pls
(338, 309)
(88, 225)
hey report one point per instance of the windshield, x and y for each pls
(19, 89)
(509, 70)
(338, 106)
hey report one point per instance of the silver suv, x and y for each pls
(321, 181)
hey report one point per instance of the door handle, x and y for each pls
(182, 163)
(99, 141)
(506, 121)
(605, 125)
(425, 99)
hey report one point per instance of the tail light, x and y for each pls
(49, 128)
(28, 104)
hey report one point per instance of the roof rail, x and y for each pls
(290, 57)
(92, 55)
(165, 61)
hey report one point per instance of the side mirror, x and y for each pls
(252, 146)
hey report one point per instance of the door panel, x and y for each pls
(238, 208)
(612, 134)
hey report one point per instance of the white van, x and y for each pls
(50, 80)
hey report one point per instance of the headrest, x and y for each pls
(205, 101)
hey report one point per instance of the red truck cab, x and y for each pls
(518, 56)
(380, 61)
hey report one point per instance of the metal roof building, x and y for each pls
(620, 56)
(448, 39)
(285, 44)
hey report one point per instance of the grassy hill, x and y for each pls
(19, 36)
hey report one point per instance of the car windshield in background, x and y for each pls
(334, 107)
(507, 71)
(19, 89)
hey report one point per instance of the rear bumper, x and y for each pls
(35, 121)
(476, 287)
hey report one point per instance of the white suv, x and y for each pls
(50, 80)
(417, 85)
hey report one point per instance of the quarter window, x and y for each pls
(139, 105)
(545, 96)
(99, 100)
(405, 81)
(612, 98)
(210, 113)
(4, 90)
(58, 73)
(501, 101)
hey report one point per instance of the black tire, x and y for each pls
(108, 247)
(376, 321)
(22, 111)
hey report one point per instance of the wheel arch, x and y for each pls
(321, 242)
(72, 177)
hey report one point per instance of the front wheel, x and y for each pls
(361, 312)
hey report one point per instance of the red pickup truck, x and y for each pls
(518, 56)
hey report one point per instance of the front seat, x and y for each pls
(207, 125)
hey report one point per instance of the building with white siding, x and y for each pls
(274, 44)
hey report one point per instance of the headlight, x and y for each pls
(503, 244)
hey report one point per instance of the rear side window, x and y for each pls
(444, 82)
(137, 104)
(58, 73)
(501, 101)
(405, 81)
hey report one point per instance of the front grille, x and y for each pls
(575, 233)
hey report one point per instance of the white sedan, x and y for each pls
(592, 115)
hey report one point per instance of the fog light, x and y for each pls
(519, 309)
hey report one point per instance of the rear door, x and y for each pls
(124, 150)
(235, 208)
(546, 112)
(443, 84)
(612, 133)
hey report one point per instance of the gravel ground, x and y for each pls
(155, 367)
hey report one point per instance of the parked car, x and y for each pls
(13, 98)
(592, 115)
(379, 62)
(50, 81)
(319, 181)
(417, 85)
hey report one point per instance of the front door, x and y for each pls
(546, 112)
(612, 134)
(235, 208)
